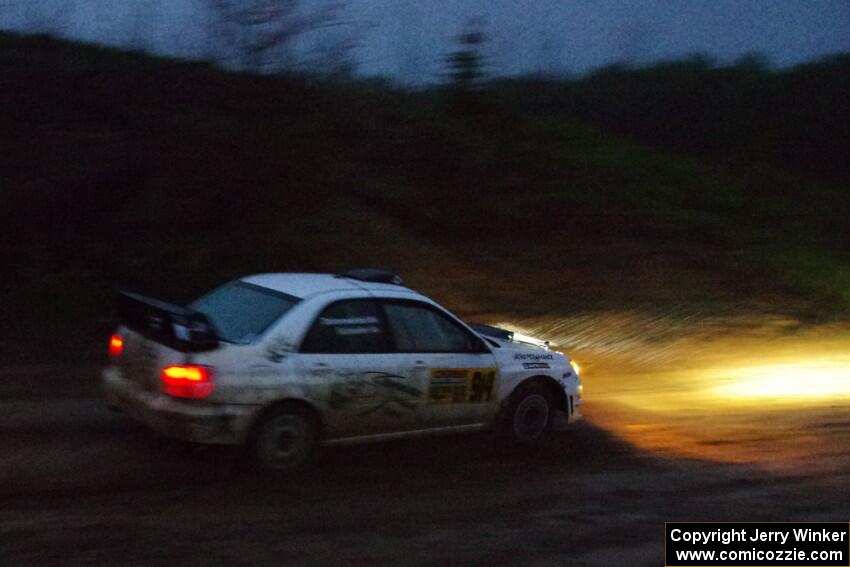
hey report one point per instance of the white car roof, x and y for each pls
(304, 285)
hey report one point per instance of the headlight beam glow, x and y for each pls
(816, 379)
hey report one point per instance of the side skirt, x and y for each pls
(409, 434)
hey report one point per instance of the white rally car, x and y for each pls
(281, 362)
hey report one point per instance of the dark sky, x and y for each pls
(581, 34)
(406, 38)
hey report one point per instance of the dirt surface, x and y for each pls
(667, 436)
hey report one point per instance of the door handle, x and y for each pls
(320, 364)
(419, 363)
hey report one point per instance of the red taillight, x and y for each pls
(187, 381)
(116, 346)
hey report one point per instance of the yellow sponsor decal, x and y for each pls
(461, 385)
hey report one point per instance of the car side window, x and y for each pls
(350, 326)
(417, 327)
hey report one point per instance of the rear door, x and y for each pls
(459, 371)
(368, 390)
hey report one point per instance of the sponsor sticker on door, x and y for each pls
(461, 385)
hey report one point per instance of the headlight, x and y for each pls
(574, 365)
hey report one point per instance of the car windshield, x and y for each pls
(240, 311)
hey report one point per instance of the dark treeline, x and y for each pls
(799, 117)
(124, 170)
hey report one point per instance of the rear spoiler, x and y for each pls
(175, 326)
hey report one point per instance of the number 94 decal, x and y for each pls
(461, 385)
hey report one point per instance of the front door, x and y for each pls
(459, 370)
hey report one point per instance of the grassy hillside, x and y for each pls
(124, 170)
(796, 117)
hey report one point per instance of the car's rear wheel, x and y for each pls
(284, 439)
(529, 415)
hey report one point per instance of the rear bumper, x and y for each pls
(194, 421)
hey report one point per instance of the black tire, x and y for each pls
(529, 415)
(284, 439)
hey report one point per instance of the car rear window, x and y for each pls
(240, 311)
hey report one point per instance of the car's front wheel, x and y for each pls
(528, 419)
(284, 439)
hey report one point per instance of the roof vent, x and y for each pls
(374, 276)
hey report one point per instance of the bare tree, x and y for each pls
(465, 68)
(465, 65)
(261, 31)
(333, 54)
